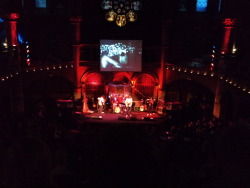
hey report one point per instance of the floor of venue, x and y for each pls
(114, 150)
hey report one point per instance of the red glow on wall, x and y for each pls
(226, 40)
(161, 79)
(121, 77)
(13, 31)
(228, 24)
(94, 85)
(144, 86)
(94, 79)
(76, 21)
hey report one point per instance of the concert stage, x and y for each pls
(136, 117)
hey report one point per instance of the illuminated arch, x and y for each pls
(93, 84)
(43, 89)
(196, 97)
(146, 75)
(183, 90)
(57, 87)
(122, 77)
(144, 85)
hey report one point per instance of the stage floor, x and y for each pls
(136, 117)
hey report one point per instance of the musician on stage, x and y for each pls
(100, 104)
(151, 104)
(85, 108)
(128, 104)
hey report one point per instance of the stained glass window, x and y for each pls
(41, 4)
(201, 5)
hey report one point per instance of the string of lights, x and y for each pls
(209, 73)
(27, 54)
(35, 69)
(228, 80)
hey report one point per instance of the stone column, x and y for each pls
(164, 47)
(76, 23)
(12, 39)
(228, 25)
(15, 88)
(12, 29)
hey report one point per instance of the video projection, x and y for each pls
(120, 55)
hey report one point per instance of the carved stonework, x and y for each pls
(228, 22)
(13, 16)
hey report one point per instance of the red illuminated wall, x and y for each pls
(13, 29)
(228, 25)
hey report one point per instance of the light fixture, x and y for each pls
(121, 11)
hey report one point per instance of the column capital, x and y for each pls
(13, 16)
(75, 19)
(229, 22)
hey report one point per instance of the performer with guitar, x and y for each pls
(128, 104)
(100, 104)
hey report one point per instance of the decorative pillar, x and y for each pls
(12, 29)
(15, 88)
(164, 46)
(76, 23)
(228, 25)
(12, 39)
(217, 100)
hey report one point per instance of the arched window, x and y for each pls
(144, 86)
(120, 78)
(94, 85)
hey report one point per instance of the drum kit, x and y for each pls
(118, 108)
